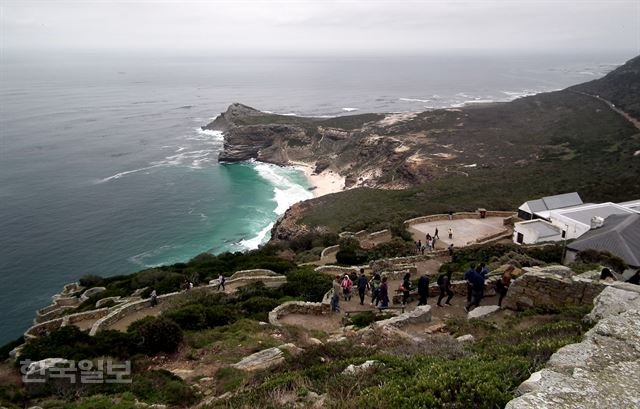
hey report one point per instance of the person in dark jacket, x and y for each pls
(406, 288)
(444, 284)
(384, 293)
(502, 285)
(363, 284)
(477, 291)
(635, 279)
(468, 276)
(423, 289)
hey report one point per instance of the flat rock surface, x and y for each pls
(482, 311)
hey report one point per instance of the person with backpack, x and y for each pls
(502, 285)
(405, 287)
(477, 291)
(374, 284)
(423, 289)
(154, 298)
(346, 287)
(363, 285)
(444, 284)
(384, 293)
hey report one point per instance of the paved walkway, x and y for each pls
(465, 231)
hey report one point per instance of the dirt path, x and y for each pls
(326, 323)
(145, 312)
(614, 108)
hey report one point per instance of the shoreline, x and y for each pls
(323, 183)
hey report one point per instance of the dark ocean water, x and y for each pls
(104, 170)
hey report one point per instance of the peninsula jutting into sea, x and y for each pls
(463, 179)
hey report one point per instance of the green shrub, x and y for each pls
(159, 335)
(162, 386)
(306, 284)
(603, 258)
(115, 343)
(259, 307)
(190, 317)
(66, 342)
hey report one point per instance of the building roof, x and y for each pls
(543, 228)
(584, 214)
(554, 202)
(632, 205)
(620, 235)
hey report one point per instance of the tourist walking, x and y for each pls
(423, 289)
(468, 277)
(444, 284)
(477, 292)
(384, 293)
(435, 234)
(374, 284)
(363, 285)
(433, 243)
(450, 214)
(450, 249)
(154, 298)
(335, 298)
(405, 287)
(221, 281)
(450, 233)
(502, 285)
(346, 287)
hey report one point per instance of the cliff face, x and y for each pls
(574, 131)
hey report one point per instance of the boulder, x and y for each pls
(260, 360)
(466, 338)
(613, 300)
(355, 369)
(483, 311)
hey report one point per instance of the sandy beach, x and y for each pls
(322, 183)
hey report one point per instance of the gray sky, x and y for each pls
(323, 26)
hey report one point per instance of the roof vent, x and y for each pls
(596, 222)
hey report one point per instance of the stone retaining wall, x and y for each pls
(552, 286)
(297, 307)
(252, 273)
(456, 216)
(337, 270)
(172, 299)
(48, 326)
(329, 250)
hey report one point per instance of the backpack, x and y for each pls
(440, 280)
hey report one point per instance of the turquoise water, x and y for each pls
(104, 168)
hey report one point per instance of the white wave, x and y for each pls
(256, 241)
(128, 172)
(286, 191)
(414, 100)
(587, 73)
(350, 109)
(289, 114)
(479, 101)
(214, 135)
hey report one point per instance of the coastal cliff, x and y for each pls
(484, 155)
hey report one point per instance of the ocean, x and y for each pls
(104, 168)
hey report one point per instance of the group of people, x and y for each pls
(475, 277)
(430, 242)
(377, 285)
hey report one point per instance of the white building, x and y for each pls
(560, 217)
(578, 220)
(533, 208)
(536, 231)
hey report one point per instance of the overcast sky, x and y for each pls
(365, 26)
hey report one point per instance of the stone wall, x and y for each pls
(552, 286)
(419, 315)
(252, 273)
(329, 250)
(47, 326)
(602, 371)
(456, 216)
(337, 270)
(297, 307)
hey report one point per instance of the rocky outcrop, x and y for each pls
(550, 287)
(603, 371)
(481, 312)
(266, 358)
